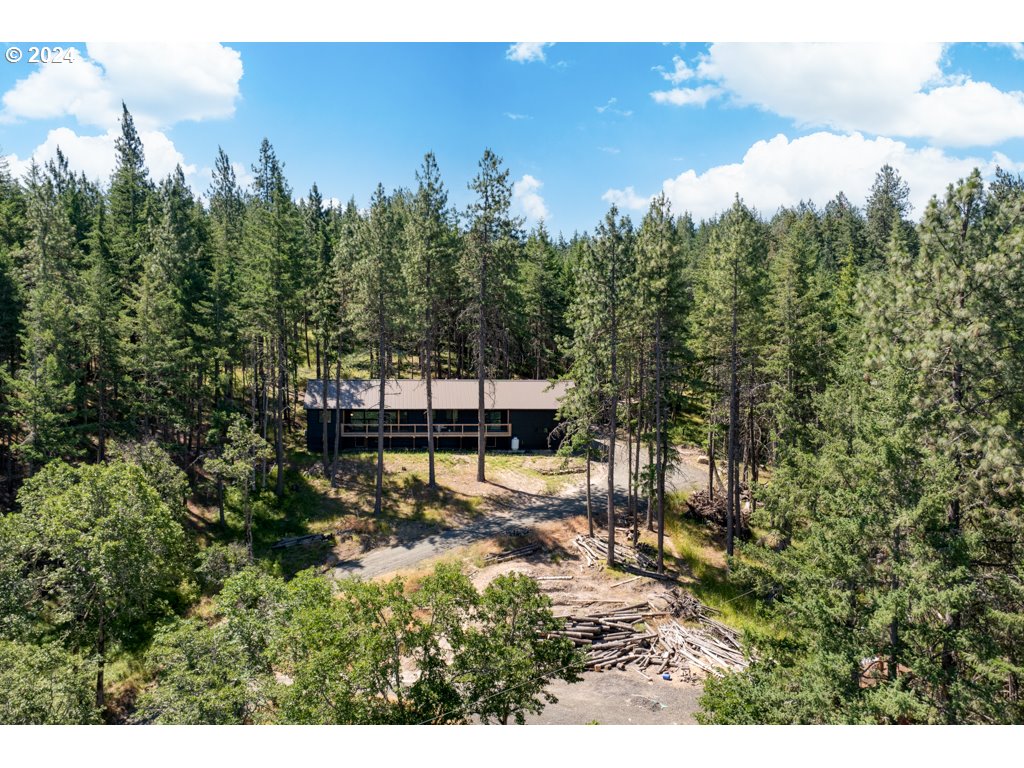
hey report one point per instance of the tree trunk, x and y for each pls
(481, 443)
(282, 385)
(630, 507)
(649, 490)
(659, 429)
(431, 479)
(263, 416)
(639, 440)
(731, 511)
(101, 660)
(247, 511)
(613, 425)
(711, 463)
(481, 439)
(590, 509)
(337, 411)
(102, 413)
(378, 498)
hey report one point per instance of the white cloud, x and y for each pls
(1017, 49)
(95, 155)
(526, 52)
(59, 90)
(167, 83)
(679, 71)
(610, 150)
(527, 200)
(782, 172)
(680, 97)
(517, 116)
(610, 107)
(162, 84)
(626, 198)
(879, 88)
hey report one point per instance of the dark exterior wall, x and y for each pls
(531, 427)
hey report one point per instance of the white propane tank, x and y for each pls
(515, 443)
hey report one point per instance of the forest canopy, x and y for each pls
(853, 372)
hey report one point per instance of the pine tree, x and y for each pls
(602, 283)
(888, 208)
(45, 387)
(273, 237)
(381, 293)
(429, 265)
(226, 214)
(797, 356)
(543, 303)
(130, 187)
(490, 263)
(100, 324)
(659, 296)
(727, 294)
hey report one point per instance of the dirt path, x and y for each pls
(521, 510)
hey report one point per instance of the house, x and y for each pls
(522, 409)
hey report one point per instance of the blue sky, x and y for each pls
(579, 125)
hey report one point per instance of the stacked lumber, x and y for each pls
(511, 554)
(596, 550)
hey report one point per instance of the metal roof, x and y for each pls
(448, 394)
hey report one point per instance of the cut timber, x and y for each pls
(627, 581)
(296, 540)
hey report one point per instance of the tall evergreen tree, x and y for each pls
(428, 268)
(659, 294)
(727, 294)
(491, 258)
(381, 294)
(602, 283)
(130, 187)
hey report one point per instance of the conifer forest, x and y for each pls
(852, 377)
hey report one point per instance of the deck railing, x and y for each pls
(420, 430)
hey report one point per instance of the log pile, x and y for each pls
(620, 637)
(511, 554)
(293, 541)
(595, 550)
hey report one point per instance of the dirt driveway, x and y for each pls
(621, 698)
(519, 510)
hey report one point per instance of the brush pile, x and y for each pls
(703, 507)
(712, 511)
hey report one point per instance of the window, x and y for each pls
(368, 418)
(493, 421)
